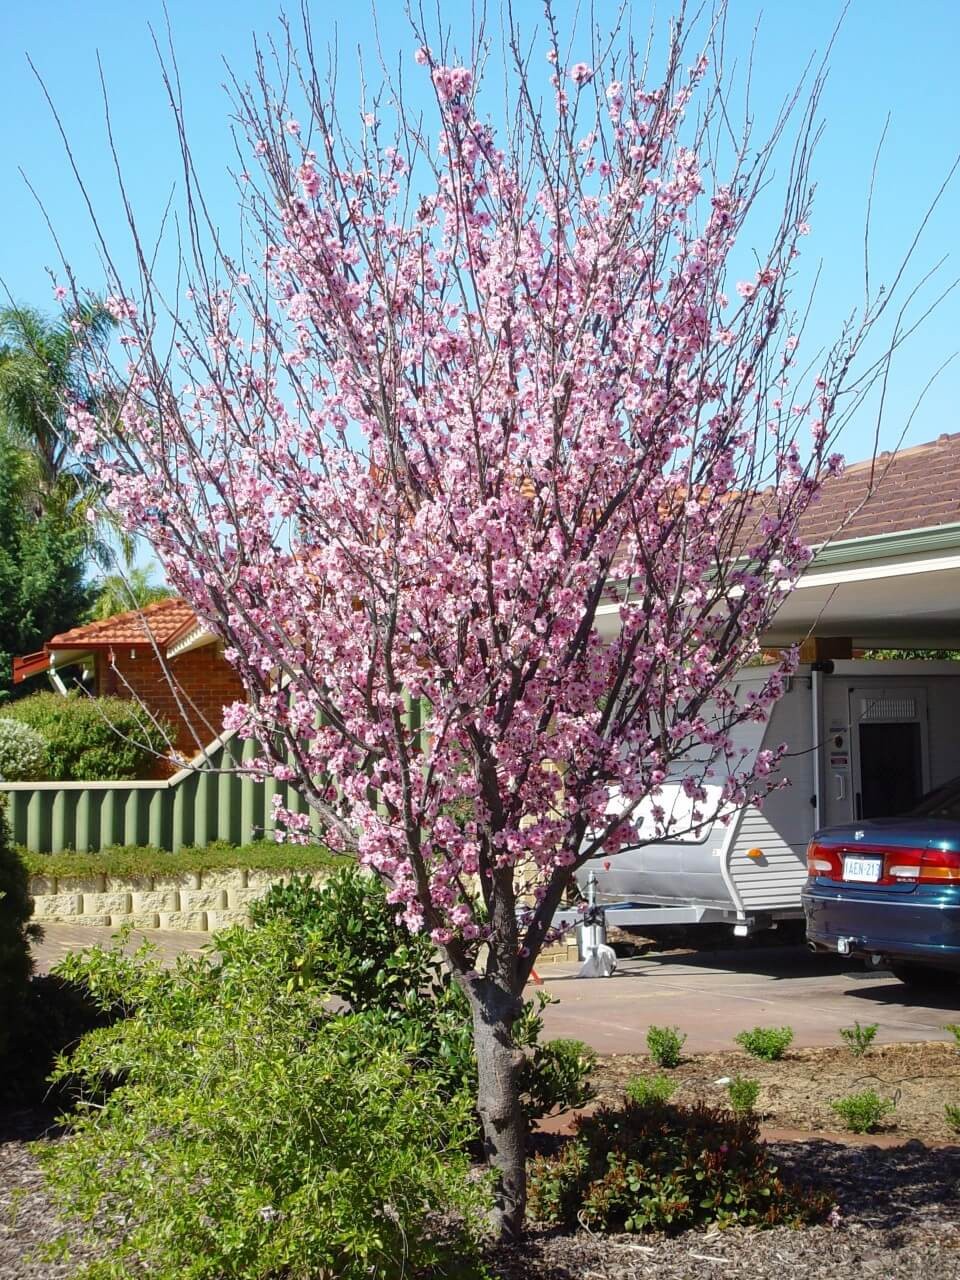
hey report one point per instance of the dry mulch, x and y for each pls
(796, 1092)
(899, 1219)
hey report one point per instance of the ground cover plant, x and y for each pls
(658, 1167)
(859, 1038)
(768, 1043)
(664, 1045)
(862, 1112)
(148, 860)
(519, 366)
(952, 1113)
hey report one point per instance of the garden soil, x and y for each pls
(796, 1092)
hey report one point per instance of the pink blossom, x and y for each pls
(292, 127)
(746, 289)
(59, 292)
(422, 56)
(581, 74)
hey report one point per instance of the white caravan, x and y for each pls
(865, 739)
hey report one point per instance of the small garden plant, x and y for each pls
(859, 1038)
(648, 1091)
(954, 1029)
(743, 1094)
(952, 1112)
(766, 1043)
(670, 1169)
(862, 1112)
(665, 1044)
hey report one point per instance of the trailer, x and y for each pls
(864, 740)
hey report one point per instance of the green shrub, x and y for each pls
(858, 1038)
(954, 1029)
(743, 1094)
(257, 1132)
(665, 1168)
(862, 1112)
(347, 940)
(23, 753)
(93, 739)
(664, 1045)
(648, 1091)
(768, 1043)
(952, 1112)
(16, 935)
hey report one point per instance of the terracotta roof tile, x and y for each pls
(139, 628)
(917, 488)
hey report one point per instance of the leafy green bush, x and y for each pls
(93, 739)
(862, 1112)
(743, 1094)
(23, 753)
(954, 1029)
(664, 1045)
(952, 1112)
(257, 1132)
(148, 860)
(346, 939)
(648, 1091)
(859, 1038)
(16, 935)
(768, 1043)
(659, 1167)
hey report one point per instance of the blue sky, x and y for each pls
(890, 57)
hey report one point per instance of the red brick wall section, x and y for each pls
(204, 678)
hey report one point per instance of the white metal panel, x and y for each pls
(781, 828)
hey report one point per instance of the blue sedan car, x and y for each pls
(888, 890)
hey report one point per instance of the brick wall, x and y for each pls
(204, 679)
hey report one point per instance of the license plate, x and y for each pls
(869, 869)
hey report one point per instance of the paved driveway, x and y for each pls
(710, 996)
(713, 996)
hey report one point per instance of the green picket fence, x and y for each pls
(208, 801)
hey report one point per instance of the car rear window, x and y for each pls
(944, 802)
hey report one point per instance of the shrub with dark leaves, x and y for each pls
(658, 1167)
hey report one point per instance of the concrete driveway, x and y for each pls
(709, 995)
(712, 996)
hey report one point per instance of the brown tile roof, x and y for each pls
(157, 623)
(917, 488)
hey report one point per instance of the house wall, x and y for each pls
(204, 682)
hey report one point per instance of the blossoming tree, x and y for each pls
(487, 466)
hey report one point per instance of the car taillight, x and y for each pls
(822, 861)
(939, 865)
(924, 866)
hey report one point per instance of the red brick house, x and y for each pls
(162, 655)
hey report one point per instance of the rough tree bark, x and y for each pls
(495, 1011)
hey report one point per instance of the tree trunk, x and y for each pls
(498, 1102)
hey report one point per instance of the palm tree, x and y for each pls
(41, 370)
(118, 592)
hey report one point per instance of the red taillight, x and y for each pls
(939, 865)
(900, 866)
(923, 866)
(823, 861)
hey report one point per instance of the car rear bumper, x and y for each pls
(924, 927)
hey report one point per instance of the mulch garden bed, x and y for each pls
(898, 1215)
(796, 1092)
